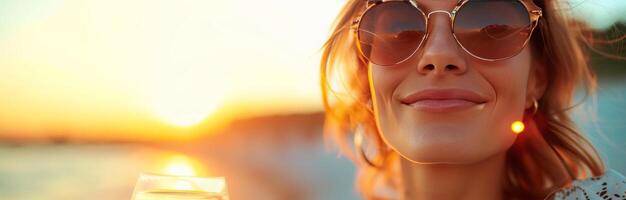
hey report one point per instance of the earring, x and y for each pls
(358, 142)
(535, 107)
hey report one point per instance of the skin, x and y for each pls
(461, 154)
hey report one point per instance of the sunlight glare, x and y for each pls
(180, 166)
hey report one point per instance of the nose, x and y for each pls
(440, 53)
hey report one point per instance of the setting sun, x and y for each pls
(185, 108)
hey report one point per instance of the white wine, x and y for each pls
(164, 194)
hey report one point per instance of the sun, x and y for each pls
(183, 115)
(187, 99)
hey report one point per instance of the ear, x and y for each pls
(537, 82)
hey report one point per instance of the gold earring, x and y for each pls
(535, 107)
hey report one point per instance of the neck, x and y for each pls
(482, 180)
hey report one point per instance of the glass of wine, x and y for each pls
(152, 186)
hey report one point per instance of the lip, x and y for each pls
(443, 100)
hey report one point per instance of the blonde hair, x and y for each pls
(537, 164)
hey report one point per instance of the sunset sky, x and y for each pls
(154, 69)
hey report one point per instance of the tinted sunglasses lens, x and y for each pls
(390, 32)
(492, 29)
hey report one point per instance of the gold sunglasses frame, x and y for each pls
(534, 13)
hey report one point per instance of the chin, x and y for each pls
(440, 156)
(438, 151)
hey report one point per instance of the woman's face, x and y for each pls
(480, 128)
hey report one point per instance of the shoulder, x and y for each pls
(610, 185)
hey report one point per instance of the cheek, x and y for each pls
(383, 84)
(509, 84)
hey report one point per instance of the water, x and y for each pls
(608, 133)
(78, 171)
(69, 171)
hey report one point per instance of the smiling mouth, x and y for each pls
(444, 99)
(443, 105)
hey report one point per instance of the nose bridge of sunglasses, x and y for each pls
(428, 16)
(431, 24)
(441, 28)
(439, 11)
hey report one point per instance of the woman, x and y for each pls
(462, 100)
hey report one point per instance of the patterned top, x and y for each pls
(611, 185)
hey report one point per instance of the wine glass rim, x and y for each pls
(178, 176)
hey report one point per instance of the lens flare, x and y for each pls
(517, 127)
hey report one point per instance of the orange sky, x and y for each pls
(155, 69)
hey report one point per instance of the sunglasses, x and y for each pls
(390, 31)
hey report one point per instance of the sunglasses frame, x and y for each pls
(534, 14)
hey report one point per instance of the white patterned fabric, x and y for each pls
(610, 186)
